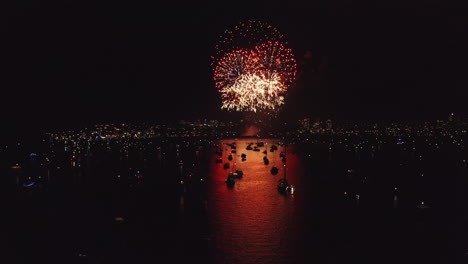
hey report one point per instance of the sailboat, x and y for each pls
(274, 170)
(236, 173)
(230, 181)
(283, 184)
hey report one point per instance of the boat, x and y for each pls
(28, 184)
(274, 170)
(292, 189)
(230, 157)
(230, 181)
(283, 185)
(266, 161)
(237, 174)
(226, 165)
(422, 206)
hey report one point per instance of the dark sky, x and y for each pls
(70, 62)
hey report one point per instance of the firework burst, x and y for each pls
(253, 68)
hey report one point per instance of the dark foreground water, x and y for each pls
(334, 216)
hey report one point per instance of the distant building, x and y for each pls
(305, 123)
(329, 124)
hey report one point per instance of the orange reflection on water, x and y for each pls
(252, 221)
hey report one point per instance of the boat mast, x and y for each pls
(284, 177)
(235, 155)
(284, 169)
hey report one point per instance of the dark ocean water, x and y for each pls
(72, 219)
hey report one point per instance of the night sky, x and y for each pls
(70, 63)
